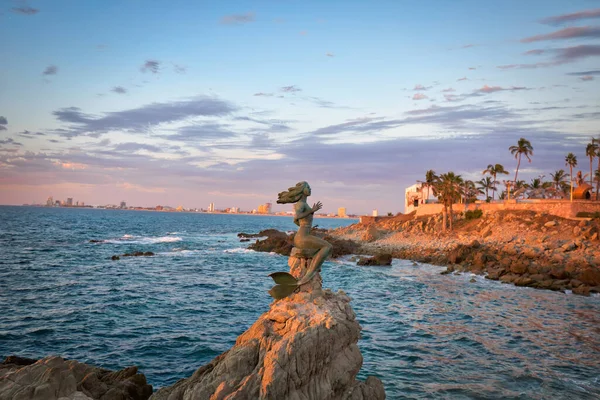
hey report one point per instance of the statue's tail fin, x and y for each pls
(285, 285)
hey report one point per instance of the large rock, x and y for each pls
(371, 234)
(276, 241)
(304, 347)
(378, 260)
(53, 378)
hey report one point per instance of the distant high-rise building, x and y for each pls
(57, 203)
(123, 204)
(375, 213)
(342, 212)
(211, 207)
(69, 202)
(50, 202)
(265, 208)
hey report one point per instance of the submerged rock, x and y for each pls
(303, 347)
(53, 378)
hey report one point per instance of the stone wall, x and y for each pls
(560, 208)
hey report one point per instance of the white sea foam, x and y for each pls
(180, 253)
(144, 240)
(238, 250)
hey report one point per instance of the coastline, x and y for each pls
(524, 248)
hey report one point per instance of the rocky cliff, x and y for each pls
(53, 378)
(304, 347)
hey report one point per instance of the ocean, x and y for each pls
(424, 334)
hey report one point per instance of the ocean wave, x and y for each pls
(143, 239)
(179, 253)
(238, 250)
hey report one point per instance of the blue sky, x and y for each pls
(188, 102)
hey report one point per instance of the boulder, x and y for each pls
(371, 234)
(54, 378)
(379, 259)
(303, 347)
(550, 224)
(590, 276)
(582, 290)
(518, 267)
(276, 242)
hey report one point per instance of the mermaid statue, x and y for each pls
(311, 246)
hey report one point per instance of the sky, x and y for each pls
(192, 102)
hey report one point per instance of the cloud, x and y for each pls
(180, 69)
(462, 79)
(261, 94)
(586, 78)
(330, 54)
(133, 147)
(152, 66)
(419, 96)
(562, 56)
(29, 135)
(472, 68)
(202, 132)
(466, 46)
(139, 119)
(582, 73)
(25, 10)
(290, 89)
(535, 52)
(119, 90)
(448, 90)
(50, 70)
(238, 19)
(567, 33)
(3, 123)
(559, 19)
(11, 142)
(492, 89)
(421, 87)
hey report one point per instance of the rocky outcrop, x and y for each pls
(53, 378)
(282, 243)
(524, 248)
(303, 347)
(134, 254)
(276, 242)
(377, 260)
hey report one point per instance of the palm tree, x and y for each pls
(448, 189)
(494, 170)
(592, 151)
(597, 179)
(470, 191)
(571, 161)
(558, 179)
(487, 184)
(597, 142)
(430, 178)
(523, 147)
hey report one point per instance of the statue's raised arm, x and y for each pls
(309, 245)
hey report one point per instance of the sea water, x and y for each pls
(424, 334)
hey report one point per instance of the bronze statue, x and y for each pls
(316, 248)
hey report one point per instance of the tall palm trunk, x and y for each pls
(598, 184)
(518, 165)
(493, 190)
(571, 170)
(451, 216)
(444, 217)
(591, 172)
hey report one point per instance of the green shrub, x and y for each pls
(586, 214)
(473, 214)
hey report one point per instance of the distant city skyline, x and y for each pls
(188, 103)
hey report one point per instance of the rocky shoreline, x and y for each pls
(520, 247)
